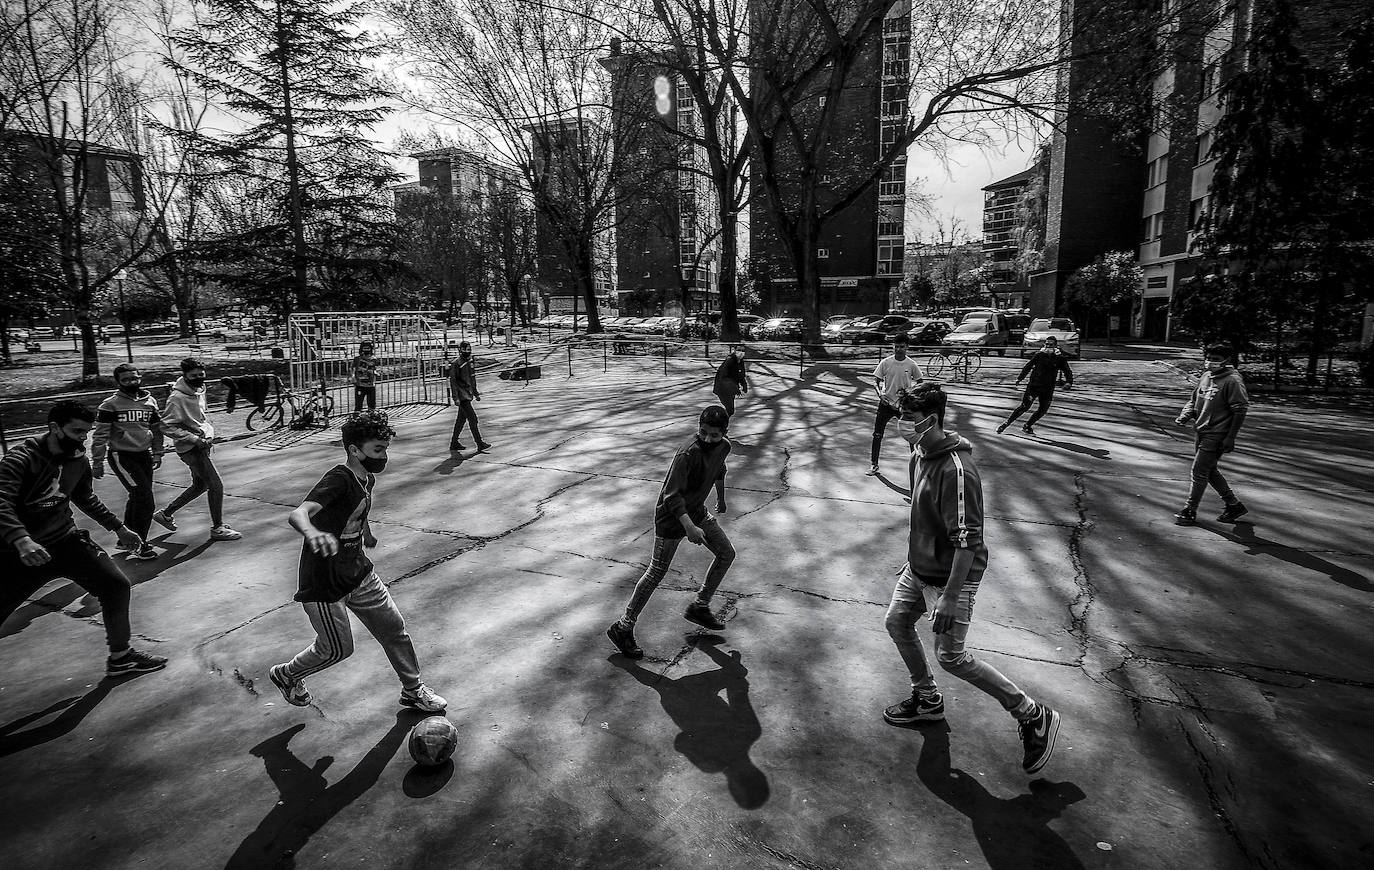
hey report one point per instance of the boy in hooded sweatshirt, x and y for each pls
(184, 422)
(128, 432)
(946, 557)
(1216, 410)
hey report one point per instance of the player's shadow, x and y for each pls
(716, 731)
(1244, 534)
(449, 465)
(1012, 832)
(16, 736)
(306, 801)
(1091, 452)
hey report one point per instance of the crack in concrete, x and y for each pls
(1081, 605)
(782, 480)
(810, 594)
(1207, 773)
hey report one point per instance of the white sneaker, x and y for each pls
(224, 533)
(422, 697)
(872, 470)
(294, 691)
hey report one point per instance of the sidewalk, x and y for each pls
(1214, 681)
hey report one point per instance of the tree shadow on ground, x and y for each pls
(1256, 546)
(15, 736)
(716, 731)
(1091, 452)
(307, 802)
(1012, 832)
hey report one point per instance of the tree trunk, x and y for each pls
(1319, 317)
(4, 337)
(1278, 353)
(293, 170)
(727, 277)
(584, 276)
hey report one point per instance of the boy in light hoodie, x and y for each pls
(1216, 410)
(946, 557)
(129, 424)
(184, 422)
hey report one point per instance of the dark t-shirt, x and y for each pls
(345, 502)
(693, 473)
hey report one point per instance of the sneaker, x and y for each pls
(133, 662)
(872, 470)
(483, 447)
(143, 553)
(294, 691)
(1027, 429)
(1002, 428)
(624, 640)
(422, 697)
(456, 446)
(164, 519)
(701, 614)
(1233, 512)
(1186, 517)
(916, 709)
(1037, 735)
(224, 533)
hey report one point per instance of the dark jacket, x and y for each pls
(462, 380)
(730, 377)
(1044, 367)
(690, 478)
(946, 511)
(37, 490)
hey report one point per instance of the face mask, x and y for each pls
(709, 446)
(1213, 366)
(914, 430)
(464, 353)
(131, 389)
(195, 383)
(70, 447)
(373, 464)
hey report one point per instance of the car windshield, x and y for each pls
(866, 321)
(1047, 324)
(972, 326)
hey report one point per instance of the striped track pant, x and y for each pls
(372, 604)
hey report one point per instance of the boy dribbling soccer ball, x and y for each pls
(336, 576)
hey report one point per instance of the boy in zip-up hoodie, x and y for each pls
(129, 424)
(946, 557)
(40, 480)
(193, 435)
(1216, 410)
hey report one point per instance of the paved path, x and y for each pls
(1215, 681)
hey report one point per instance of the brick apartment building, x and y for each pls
(1005, 214)
(863, 247)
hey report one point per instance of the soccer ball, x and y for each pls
(432, 741)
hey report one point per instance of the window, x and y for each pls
(1209, 81)
(889, 225)
(1152, 227)
(822, 253)
(893, 181)
(890, 131)
(1158, 282)
(1197, 213)
(893, 101)
(1157, 171)
(890, 255)
(1205, 140)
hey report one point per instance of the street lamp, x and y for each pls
(120, 277)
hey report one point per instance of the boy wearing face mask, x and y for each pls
(731, 380)
(1216, 411)
(462, 381)
(184, 421)
(698, 466)
(892, 377)
(365, 377)
(336, 576)
(1045, 367)
(40, 480)
(946, 557)
(128, 431)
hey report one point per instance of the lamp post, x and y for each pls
(120, 277)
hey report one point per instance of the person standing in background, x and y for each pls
(462, 381)
(365, 377)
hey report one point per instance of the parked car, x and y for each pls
(833, 324)
(1042, 328)
(786, 329)
(1017, 324)
(928, 334)
(982, 333)
(874, 329)
(763, 330)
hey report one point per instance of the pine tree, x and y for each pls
(296, 71)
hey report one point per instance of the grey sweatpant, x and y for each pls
(372, 604)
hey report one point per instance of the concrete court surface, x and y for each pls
(1215, 682)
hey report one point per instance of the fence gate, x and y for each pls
(412, 350)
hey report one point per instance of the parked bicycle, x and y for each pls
(295, 411)
(955, 364)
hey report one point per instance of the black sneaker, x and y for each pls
(1037, 736)
(144, 553)
(624, 640)
(456, 446)
(1002, 428)
(483, 447)
(1233, 512)
(1027, 429)
(133, 662)
(916, 709)
(164, 519)
(294, 691)
(1186, 517)
(701, 614)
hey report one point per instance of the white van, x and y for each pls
(981, 329)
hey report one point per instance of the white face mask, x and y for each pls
(1213, 366)
(913, 430)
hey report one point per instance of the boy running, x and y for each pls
(681, 512)
(1044, 367)
(364, 377)
(1216, 410)
(946, 557)
(130, 425)
(40, 480)
(336, 576)
(194, 437)
(731, 379)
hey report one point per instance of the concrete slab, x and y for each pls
(1215, 681)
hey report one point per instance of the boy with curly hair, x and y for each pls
(336, 576)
